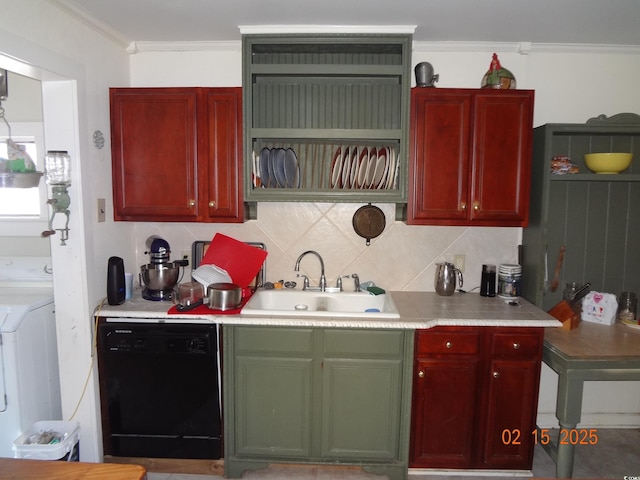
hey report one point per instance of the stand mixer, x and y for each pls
(159, 276)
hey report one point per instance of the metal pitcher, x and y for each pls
(445, 281)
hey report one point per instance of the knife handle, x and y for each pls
(556, 274)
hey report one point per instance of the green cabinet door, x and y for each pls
(273, 392)
(361, 392)
(274, 396)
(361, 408)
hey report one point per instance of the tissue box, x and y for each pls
(599, 308)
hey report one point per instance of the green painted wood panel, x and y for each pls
(274, 341)
(316, 93)
(593, 215)
(360, 412)
(274, 405)
(356, 343)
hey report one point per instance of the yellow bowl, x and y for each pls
(608, 162)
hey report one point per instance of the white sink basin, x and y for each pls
(324, 304)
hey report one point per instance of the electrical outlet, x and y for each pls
(186, 255)
(101, 210)
(458, 262)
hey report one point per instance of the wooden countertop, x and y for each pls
(593, 341)
(24, 469)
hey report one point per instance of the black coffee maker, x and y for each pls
(488, 281)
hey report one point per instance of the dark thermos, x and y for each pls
(115, 281)
(488, 281)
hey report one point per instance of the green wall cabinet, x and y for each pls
(593, 215)
(321, 96)
(312, 395)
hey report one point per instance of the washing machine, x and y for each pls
(29, 378)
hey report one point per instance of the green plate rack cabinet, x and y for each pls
(593, 215)
(321, 96)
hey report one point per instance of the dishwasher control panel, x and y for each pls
(159, 339)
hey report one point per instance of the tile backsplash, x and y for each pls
(402, 258)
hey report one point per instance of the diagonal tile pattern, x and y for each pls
(403, 257)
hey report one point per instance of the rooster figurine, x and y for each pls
(497, 76)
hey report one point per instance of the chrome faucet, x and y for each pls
(323, 279)
(356, 282)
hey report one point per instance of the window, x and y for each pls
(28, 203)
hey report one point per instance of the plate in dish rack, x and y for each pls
(291, 169)
(263, 164)
(336, 168)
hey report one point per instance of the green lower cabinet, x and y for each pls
(360, 417)
(314, 395)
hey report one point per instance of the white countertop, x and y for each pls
(418, 310)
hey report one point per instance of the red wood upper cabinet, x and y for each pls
(176, 154)
(470, 157)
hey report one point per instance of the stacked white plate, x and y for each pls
(363, 167)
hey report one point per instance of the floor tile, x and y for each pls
(615, 455)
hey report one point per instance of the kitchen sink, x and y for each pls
(305, 303)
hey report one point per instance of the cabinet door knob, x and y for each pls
(496, 374)
(192, 203)
(516, 346)
(476, 206)
(212, 204)
(448, 344)
(463, 205)
(421, 373)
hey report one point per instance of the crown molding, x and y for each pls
(523, 48)
(327, 29)
(79, 13)
(195, 46)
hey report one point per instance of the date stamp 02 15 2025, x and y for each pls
(574, 436)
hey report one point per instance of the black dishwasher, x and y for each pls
(159, 390)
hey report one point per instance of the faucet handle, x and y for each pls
(339, 281)
(356, 282)
(305, 282)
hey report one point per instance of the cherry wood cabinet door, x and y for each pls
(513, 380)
(444, 413)
(154, 153)
(177, 154)
(501, 166)
(512, 403)
(439, 157)
(446, 392)
(222, 195)
(470, 157)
